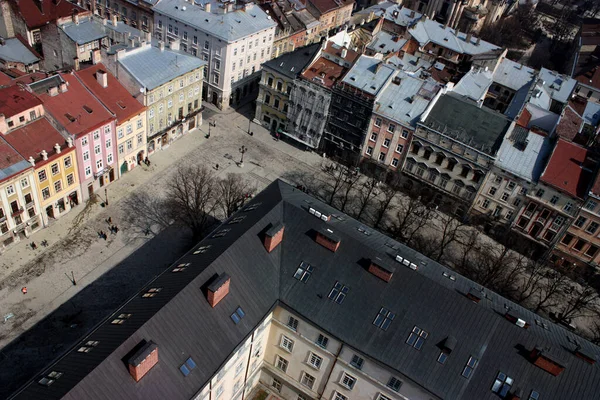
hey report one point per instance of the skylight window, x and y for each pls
(221, 233)
(443, 357)
(88, 109)
(120, 319)
(202, 249)
(364, 231)
(50, 378)
(417, 338)
(237, 316)
(449, 276)
(252, 207)
(470, 367)
(180, 267)
(237, 220)
(70, 117)
(88, 346)
(384, 318)
(304, 272)
(502, 384)
(534, 395)
(151, 292)
(338, 293)
(187, 367)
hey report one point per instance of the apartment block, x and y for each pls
(169, 83)
(331, 14)
(135, 14)
(234, 41)
(131, 120)
(341, 313)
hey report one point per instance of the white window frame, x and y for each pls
(314, 360)
(287, 344)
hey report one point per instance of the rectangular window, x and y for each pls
(394, 384)
(57, 186)
(357, 361)
(492, 191)
(338, 292)
(554, 200)
(404, 133)
(502, 384)
(369, 150)
(70, 179)
(391, 128)
(377, 122)
(287, 343)
(315, 361)
(281, 364)
(88, 171)
(348, 381)
(395, 162)
(591, 205)
(591, 251)
(42, 175)
(303, 272)
(10, 190)
(417, 338)
(592, 228)
(308, 380)
(292, 323)
(384, 319)
(399, 148)
(504, 196)
(322, 341)
(567, 239)
(45, 193)
(55, 169)
(579, 245)
(540, 193)
(386, 142)
(568, 207)
(580, 221)
(68, 162)
(470, 367)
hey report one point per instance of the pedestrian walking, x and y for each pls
(109, 220)
(116, 229)
(33, 245)
(24, 290)
(217, 167)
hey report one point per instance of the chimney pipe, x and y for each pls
(76, 18)
(218, 289)
(344, 52)
(114, 19)
(161, 45)
(207, 7)
(273, 237)
(102, 78)
(76, 64)
(96, 57)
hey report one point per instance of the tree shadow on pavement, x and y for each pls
(28, 354)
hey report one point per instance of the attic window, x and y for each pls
(88, 346)
(443, 357)
(121, 104)
(70, 117)
(237, 316)
(180, 267)
(49, 378)
(88, 109)
(221, 233)
(236, 220)
(542, 324)
(502, 384)
(152, 292)
(187, 367)
(338, 293)
(417, 338)
(304, 272)
(470, 367)
(121, 319)
(449, 276)
(202, 249)
(252, 207)
(384, 318)
(363, 231)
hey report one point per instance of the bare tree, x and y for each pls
(349, 183)
(365, 195)
(451, 231)
(411, 217)
(552, 286)
(469, 244)
(231, 193)
(581, 301)
(384, 204)
(146, 213)
(336, 175)
(531, 280)
(191, 198)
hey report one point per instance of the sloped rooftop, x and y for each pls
(569, 169)
(369, 75)
(182, 323)
(524, 153)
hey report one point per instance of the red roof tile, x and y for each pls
(5, 80)
(324, 6)
(30, 78)
(565, 170)
(68, 107)
(9, 159)
(569, 124)
(336, 50)
(15, 100)
(114, 96)
(52, 10)
(524, 118)
(34, 137)
(325, 70)
(590, 77)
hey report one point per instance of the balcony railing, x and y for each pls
(17, 212)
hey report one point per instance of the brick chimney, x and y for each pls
(76, 64)
(114, 19)
(547, 359)
(273, 237)
(3, 125)
(175, 45)
(96, 57)
(326, 238)
(381, 269)
(143, 360)
(218, 289)
(102, 78)
(475, 295)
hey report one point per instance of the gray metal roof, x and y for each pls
(479, 128)
(182, 324)
(524, 153)
(385, 42)
(15, 51)
(152, 67)
(406, 101)
(369, 75)
(591, 114)
(542, 118)
(86, 31)
(230, 27)
(393, 12)
(291, 64)
(432, 31)
(559, 86)
(513, 75)
(474, 85)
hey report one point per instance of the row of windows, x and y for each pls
(451, 163)
(390, 128)
(58, 186)
(10, 189)
(54, 168)
(158, 95)
(96, 136)
(382, 155)
(579, 246)
(129, 143)
(129, 129)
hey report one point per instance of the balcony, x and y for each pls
(17, 212)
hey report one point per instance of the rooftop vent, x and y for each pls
(329, 240)
(475, 295)
(449, 344)
(514, 318)
(547, 359)
(218, 289)
(319, 214)
(143, 360)
(381, 269)
(273, 237)
(585, 355)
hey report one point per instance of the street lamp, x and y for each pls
(106, 196)
(243, 150)
(249, 124)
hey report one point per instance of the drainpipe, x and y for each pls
(337, 356)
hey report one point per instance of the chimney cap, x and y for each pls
(381, 264)
(328, 233)
(274, 229)
(140, 355)
(220, 281)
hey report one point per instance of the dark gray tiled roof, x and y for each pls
(291, 64)
(182, 324)
(477, 127)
